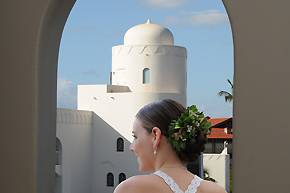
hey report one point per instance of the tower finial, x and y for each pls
(148, 21)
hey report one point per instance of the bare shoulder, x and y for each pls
(210, 187)
(136, 184)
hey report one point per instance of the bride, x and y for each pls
(166, 137)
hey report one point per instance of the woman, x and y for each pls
(166, 137)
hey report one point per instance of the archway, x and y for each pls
(85, 43)
(35, 78)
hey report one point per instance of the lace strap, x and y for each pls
(195, 183)
(169, 181)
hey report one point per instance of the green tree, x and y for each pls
(228, 95)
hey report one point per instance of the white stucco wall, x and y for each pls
(107, 159)
(218, 168)
(89, 152)
(119, 109)
(167, 66)
(74, 130)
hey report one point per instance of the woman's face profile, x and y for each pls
(142, 146)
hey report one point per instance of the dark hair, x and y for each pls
(160, 114)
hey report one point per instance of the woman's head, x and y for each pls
(160, 114)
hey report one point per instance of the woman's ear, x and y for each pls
(156, 133)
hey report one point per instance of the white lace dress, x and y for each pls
(174, 187)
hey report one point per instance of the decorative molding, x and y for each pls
(70, 116)
(149, 50)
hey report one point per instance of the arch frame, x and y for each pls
(33, 74)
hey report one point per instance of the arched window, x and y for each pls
(120, 144)
(146, 75)
(58, 162)
(122, 177)
(110, 179)
(58, 152)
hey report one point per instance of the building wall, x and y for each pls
(119, 109)
(89, 153)
(218, 166)
(168, 79)
(107, 159)
(167, 66)
(74, 130)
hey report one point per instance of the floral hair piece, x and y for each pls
(189, 125)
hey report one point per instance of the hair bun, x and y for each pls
(185, 128)
(187, 134)
(193, 149)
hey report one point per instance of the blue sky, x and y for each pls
(93, 27)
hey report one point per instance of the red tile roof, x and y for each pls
(219, 133)
(215, 121)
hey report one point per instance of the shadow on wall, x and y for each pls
(95, 158)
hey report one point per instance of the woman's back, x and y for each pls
(190, 188)
(161, 182)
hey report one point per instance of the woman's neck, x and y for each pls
(168, 162)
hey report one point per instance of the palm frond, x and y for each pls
(232, 86)
(224, 93)
(229, 98)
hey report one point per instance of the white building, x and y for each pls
(90, 151)
(146, 68)
(93, 141)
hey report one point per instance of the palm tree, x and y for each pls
(228, 96)
(207, 177)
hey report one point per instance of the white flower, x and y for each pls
(189, 128)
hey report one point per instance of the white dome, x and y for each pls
(148, 34)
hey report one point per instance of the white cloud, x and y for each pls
(207, 18)
(66, 94)
(164, 3)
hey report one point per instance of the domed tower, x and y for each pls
(149, 62)
(147, 68)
